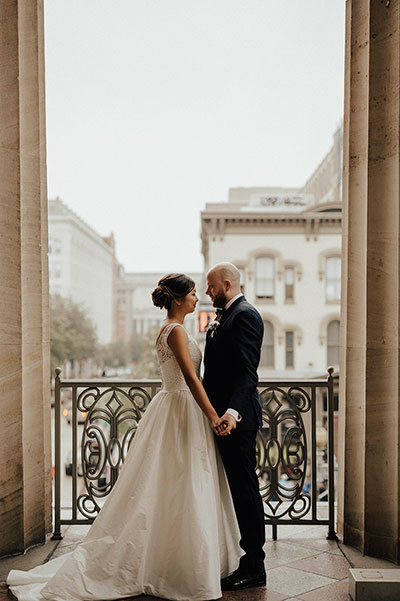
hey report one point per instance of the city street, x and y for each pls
(66, 449)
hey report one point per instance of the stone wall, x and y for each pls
(369, 494)
(25, 468)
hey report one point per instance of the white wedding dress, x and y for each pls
(168, 527)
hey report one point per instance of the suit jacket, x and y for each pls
(231, 359)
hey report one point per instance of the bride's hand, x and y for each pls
(219, 425)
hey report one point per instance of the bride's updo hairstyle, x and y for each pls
(174, 285)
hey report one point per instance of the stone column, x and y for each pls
(369, 494)
(25, 469)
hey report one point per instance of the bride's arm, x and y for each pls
(178, 343)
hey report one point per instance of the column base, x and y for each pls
(374, 585)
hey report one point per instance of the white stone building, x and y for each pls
(287, 244)
(81, 265)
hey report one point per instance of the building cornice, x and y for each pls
(251, 217)
(217, 224)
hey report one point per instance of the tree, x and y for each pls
(72, 332)
(144, 354)
(114, 354)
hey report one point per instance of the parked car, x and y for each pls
(68, 463)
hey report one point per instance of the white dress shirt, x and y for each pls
(233, 412)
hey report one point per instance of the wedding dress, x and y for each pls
(168, 527)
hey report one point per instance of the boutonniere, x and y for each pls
(213, 325)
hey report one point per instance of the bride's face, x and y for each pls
(190, 301)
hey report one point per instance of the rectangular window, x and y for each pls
(267, 349)
(265, 277)
(289, 284)
(333, 339)
(333, 275)
(55, 271)
(242, 280)
(54, 245)
(289, 348)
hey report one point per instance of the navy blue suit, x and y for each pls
(231, 359)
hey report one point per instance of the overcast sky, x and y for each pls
(156, 107)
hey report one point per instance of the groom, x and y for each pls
(231, 359)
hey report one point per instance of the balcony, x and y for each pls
(295, 452)
(96, 420)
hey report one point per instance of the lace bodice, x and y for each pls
(172, 376)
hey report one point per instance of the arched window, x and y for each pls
(265, 277)
(267, 349)
(332, 285)
(333, 342)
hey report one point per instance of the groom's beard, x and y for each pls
(219, 300)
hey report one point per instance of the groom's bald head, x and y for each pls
(227, 272)
(223, 283)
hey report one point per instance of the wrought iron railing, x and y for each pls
(292, 457)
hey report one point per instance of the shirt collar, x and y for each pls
(230, 302)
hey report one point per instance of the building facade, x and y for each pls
(286, 243)
(82, 267)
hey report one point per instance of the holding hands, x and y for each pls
(224, 425)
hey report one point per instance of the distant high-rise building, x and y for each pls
(82, 267)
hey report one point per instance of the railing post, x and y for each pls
(331, 467)
(57, 452)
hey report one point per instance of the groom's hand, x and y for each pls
(230, 424)
(218, 425)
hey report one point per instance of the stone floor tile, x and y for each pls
(288, 530)
(25, 561)
(270, 564)
(324, 564)
(143, 598)
(338, 591)
(312, 532)
(64, 549)
(293, 582)
(321, 544)
(281, 552)
(364, 562)
(253, 594)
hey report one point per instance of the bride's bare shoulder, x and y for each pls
(165, 326)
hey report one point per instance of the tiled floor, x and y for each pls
(301, 566)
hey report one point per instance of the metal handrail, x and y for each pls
(282, 445)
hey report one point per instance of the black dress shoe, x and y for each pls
(240, 580)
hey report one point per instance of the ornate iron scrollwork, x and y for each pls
(282, 452)
(113, 415)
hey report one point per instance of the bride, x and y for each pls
(168, 527)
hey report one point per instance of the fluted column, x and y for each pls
(25, 479)
(369, 494)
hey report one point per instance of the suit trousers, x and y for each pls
(238, 453)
